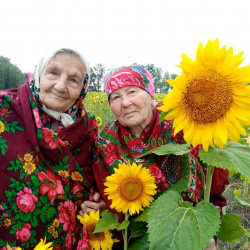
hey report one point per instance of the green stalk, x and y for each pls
(207, 187)
(125, 235)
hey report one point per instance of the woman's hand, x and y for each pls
(97, 203)
(211, 246)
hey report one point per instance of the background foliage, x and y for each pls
(10, 75)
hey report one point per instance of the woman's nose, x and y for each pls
(126, 101)
(61, 84)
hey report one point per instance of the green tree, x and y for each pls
(96, 78)
(173, 76)
(165, 87)
(10, 75)
(156, 73)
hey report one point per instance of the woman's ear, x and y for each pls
(153, 104)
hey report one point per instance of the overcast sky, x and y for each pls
(117, 33)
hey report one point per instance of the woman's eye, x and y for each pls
(73, 80)
(115, 97)
(53, 73)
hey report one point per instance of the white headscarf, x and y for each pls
(65, 118)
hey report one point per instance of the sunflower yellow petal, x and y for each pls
(180, 122)
(210, 99)
(216, 137)
(130, 188)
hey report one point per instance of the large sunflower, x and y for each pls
(130, 188)
(210, 100)
(97, 241)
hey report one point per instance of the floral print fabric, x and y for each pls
(44, 176)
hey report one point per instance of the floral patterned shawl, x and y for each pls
(44, 176)
(116, 144)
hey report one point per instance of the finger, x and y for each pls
(96, 196)
(87, 211)
(92, 205)
(102, 205)
(84, 209)
(83, 206)
(212, 244)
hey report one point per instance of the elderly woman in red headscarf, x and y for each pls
(46, 139)
(137, 129)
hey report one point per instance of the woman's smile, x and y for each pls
(128, 114)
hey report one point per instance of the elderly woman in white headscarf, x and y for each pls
(46, 138)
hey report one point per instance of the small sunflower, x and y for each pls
(99, 120)
(93, 98)
(43, 246)
(210, 100)
(97, 241)
(130, 188)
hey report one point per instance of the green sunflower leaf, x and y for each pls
(173, 224)
(234, 156)
(109, 221)
(141, 243)
(231, 228)
(143, 216)
(179, 186)
(176, 149)
(137, 228)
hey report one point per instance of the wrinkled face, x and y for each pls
(132, 106)
(62, 81)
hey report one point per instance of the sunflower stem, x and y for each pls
(210, 170)
(125, 235)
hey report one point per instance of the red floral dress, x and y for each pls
(44, 176)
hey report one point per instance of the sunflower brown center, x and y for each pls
(131, 189)
(207, 97)
(95, 237)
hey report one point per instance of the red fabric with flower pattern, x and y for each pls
(44, 176)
